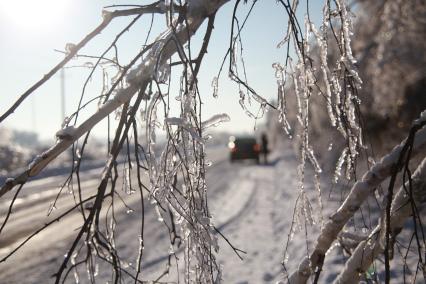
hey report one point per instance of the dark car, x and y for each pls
(243, 148)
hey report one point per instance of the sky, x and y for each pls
(31, 31)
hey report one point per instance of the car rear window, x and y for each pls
(243, 143)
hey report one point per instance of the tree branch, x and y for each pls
(137, 77)
(108, 16)
(368, 250)
(359, 192)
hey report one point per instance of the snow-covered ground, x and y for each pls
(262, 226)
(252, 206)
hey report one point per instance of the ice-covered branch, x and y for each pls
(368, 250)
(358, 194)
(74, 48)
(197, 11)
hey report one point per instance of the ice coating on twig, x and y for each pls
(66, 133)
(215, 120)
(70, 48)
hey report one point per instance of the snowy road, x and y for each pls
(39, 258)
(251, 204)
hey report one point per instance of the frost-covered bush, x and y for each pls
(392, 65)
(389, 43)
(15, 151)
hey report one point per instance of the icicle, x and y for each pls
(157, 210)
(349, 163)
(195, 135)
(234, 53)
(215, 85)
(279, 71)
(322, 44)
(78, 153)
(118, 112)
(128, 186)
(168, 7)
(282, 110)
(338, 170)
(347, 26)
(317, 183)
(73, 262)
(163, 73)
(243, 105)
(65, 122)
(313, 160)
(70, 189)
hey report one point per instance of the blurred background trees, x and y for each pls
(389, 44)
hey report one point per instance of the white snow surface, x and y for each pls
(252, 206)
(265, 196)
(254, 211)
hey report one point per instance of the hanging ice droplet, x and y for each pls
(208, 163)
(171, 250)
(163, 73)
(96, 272)
(215, 86)
(129, 211)
(117, 113)
(330, 147)
(207, 137)
(157, 210)
(371, 161)
(65, 122)
(78, 153)
(279, 70)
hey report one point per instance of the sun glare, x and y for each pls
(33, 15)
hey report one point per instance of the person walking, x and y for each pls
(264, 148)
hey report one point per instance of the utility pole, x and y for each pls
(33, 114)
(62, 94)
